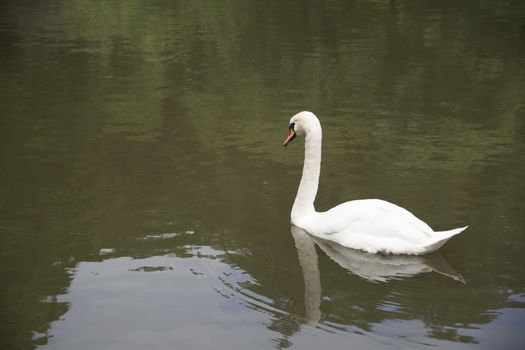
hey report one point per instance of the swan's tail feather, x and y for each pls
(441, 237)
(450, 233)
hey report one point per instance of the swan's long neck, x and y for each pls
(304, 201)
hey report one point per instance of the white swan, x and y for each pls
(371, 225)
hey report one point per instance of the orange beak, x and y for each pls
(291, 136)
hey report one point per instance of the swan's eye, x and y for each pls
(291, 126)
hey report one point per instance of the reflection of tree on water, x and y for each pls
(62, 177)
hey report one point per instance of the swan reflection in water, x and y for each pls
(371, 267)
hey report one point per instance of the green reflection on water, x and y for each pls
(127, 119)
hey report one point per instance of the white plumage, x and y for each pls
(371, 225)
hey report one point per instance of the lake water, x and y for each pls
(145, 194)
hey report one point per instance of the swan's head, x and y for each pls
(303, 122)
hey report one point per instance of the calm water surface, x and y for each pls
(145, 194)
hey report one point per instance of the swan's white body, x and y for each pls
(371, 225)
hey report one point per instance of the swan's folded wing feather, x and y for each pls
(373, 218)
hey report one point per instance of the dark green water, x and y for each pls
(145, 194)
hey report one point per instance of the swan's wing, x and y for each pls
(375, 225)
(373, 219)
